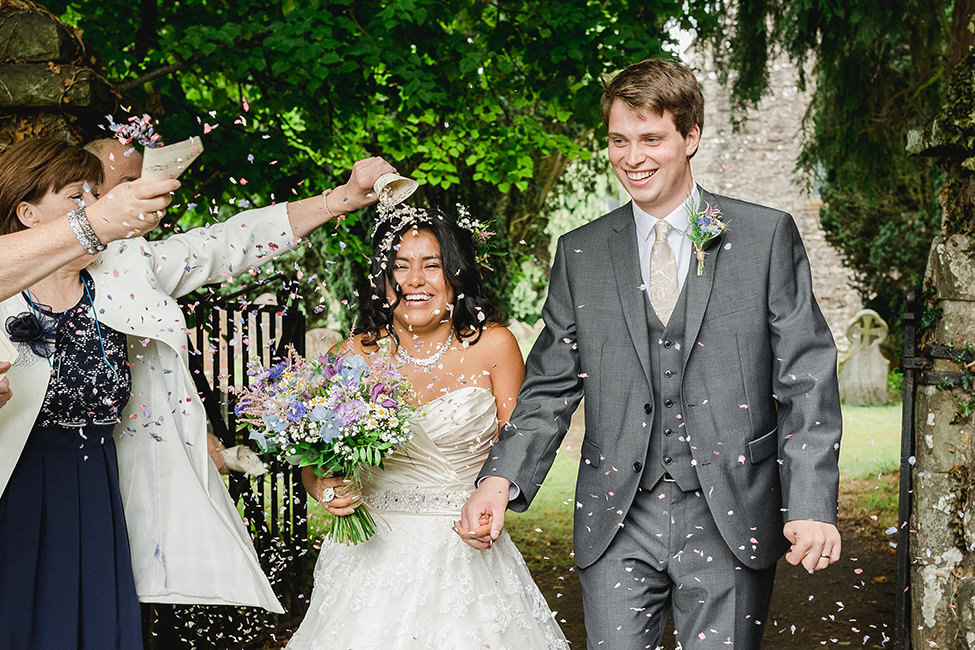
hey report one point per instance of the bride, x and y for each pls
(415, 583)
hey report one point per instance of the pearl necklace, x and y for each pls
(427, 363)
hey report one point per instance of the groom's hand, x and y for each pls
(488, 502)
(815, 544)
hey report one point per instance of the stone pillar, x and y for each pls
(943, 516)
(48, 81)
(943, 548)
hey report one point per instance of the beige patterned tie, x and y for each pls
(663, 273)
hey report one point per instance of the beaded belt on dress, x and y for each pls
(417, 500)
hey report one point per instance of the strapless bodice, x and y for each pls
(452, 436)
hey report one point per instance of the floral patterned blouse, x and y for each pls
(90, 377)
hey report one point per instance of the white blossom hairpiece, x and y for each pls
(398, 217)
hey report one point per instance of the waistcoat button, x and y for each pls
(648, 407)
(637, 466)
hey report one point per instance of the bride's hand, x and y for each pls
(324, 490)
(475, 537)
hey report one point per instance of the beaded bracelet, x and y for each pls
(78, 221)
(325, 201)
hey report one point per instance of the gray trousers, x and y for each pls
(670, 556)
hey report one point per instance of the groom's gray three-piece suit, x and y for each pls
(702, 435)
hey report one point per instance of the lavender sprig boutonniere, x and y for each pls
(706, 226)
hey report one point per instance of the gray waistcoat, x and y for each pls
(669, 449)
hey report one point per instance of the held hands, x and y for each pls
(130, 209)
(815, 544)
(482, 517)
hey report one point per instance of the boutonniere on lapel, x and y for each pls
(706, 226)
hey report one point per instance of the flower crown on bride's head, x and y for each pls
(398, 217)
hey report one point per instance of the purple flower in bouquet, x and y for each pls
(351, 411)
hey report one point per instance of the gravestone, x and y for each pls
(863, 374)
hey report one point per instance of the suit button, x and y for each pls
(668, 460)
(668, 373)
(648, 408)
(668, 344)
(668, 431)
(668, 403)
(637, 466)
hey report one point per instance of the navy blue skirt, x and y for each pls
(65, 568)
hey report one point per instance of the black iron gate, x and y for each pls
(227, 333)
(911, 366)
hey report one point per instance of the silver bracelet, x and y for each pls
(78, 221)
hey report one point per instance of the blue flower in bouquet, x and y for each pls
(240, 408)
(274, 423)
(274, 372)
(331, 428)
(296, 410)
(320, 412)
(259, 438)
(353, 368)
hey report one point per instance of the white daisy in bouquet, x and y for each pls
(338, 414)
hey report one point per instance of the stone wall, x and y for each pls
(756, 164)
(48, 81)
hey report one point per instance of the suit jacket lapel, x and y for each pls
(698, 287)
(626, 266)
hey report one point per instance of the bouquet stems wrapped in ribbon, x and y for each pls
(338, 414)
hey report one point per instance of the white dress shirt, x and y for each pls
(677, 239)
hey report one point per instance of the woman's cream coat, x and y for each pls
(188, 542)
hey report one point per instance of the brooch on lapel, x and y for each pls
(706, 226)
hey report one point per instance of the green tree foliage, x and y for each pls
(879, 69)
(485, 102)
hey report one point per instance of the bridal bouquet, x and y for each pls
(336, 414)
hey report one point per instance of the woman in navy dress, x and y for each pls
(65, 571)
(107, 494)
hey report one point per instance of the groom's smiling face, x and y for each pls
(651, 158)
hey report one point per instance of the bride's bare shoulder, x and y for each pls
(494, 337)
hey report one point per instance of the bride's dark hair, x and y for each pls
(471, 309)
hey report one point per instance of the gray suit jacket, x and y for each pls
(761, 403)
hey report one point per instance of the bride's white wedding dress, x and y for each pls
(415, 584)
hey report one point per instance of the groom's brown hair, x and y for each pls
(658, 86)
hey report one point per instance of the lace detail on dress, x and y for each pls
(415, 585)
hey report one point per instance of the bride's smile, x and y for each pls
(425, 296)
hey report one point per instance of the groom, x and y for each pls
(712, 410)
